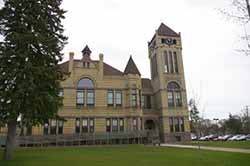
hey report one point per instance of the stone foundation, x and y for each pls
(176, 137)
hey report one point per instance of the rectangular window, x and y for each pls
(140, 98)
(170, 99)
(154, 70)
(77, 129)
(60, 127)
(60, 92)
(118, 98)
(135, 124)
(143, 101)
(166, 62)
(53, 127)
(182, 124)
(154, 66)
(84, 125)
(171, 125)
(80, 97)
(121, 124)
(114, 125)
(148, 102)
(110, 98)
(163, 41)
(134, 98)
(86, 65)
(46, 129)
(176, 125)
(90, 98)
(178, 99)
(91, 125)
(108, 125)
(176, 63)
(171, 70)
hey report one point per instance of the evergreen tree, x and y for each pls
(234, 124)
(194, 116)
(29, 57)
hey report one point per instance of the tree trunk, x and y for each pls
(10, 141)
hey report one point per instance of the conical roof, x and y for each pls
(86, 50)
(131, 67)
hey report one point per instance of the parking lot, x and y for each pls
(227, 137)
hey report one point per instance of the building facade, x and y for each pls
(98, 98)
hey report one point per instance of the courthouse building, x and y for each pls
(98, 98)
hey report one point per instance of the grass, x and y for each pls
(138, 155)
(225, 144)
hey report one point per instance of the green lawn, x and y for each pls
(136, 155)
(226, 144)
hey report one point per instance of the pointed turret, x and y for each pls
(131, 67)
(86, 50)
(86, 54)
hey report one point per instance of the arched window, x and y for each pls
(85, 83)
(174, 95)
(85, 93)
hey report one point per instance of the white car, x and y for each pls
(248, 137)
(194, 137)
(234, 138)
(241, 138)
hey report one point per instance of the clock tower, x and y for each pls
(168, 82)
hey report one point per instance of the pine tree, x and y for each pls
(29, 57)
(194, 117)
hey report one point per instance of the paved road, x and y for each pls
(208, 148)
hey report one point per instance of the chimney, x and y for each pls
(101, 66)
(71, 61)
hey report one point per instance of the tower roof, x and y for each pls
(86, 50)
(131, 67)
(164, 30)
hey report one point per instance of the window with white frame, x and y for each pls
(85, 86)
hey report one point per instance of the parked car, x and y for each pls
(218, 138)
(234, 138)
(241, 138)
(194, 137)
(226, 137)
(208, 137)
(203, 138)
(211, 137)
(248, 137)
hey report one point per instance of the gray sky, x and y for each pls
(215, 72)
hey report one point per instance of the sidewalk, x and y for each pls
(208, 148)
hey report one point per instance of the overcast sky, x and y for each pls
(214, 71)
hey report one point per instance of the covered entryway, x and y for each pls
(150, 125)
